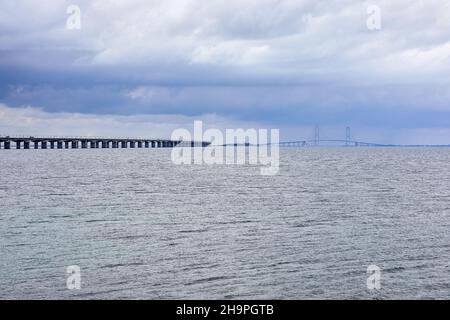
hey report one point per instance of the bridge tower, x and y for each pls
(317, 135)
(347, 136)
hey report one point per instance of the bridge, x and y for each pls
(9, 142)
(350, 143)
(318, 141)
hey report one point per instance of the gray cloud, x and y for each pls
(269, 61)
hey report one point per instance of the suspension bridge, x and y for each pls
(347, 142)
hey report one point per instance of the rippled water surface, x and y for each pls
(141, 227)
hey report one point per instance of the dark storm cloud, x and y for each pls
(281, 62)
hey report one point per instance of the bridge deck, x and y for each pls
(8, 142)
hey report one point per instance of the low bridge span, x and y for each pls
(9, 142)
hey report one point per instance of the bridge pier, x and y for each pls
(8, 142)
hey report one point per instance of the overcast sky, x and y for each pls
(141, 67)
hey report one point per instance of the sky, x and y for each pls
(145, 68)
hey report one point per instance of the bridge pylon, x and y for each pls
(317, 136)
(347, 136)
